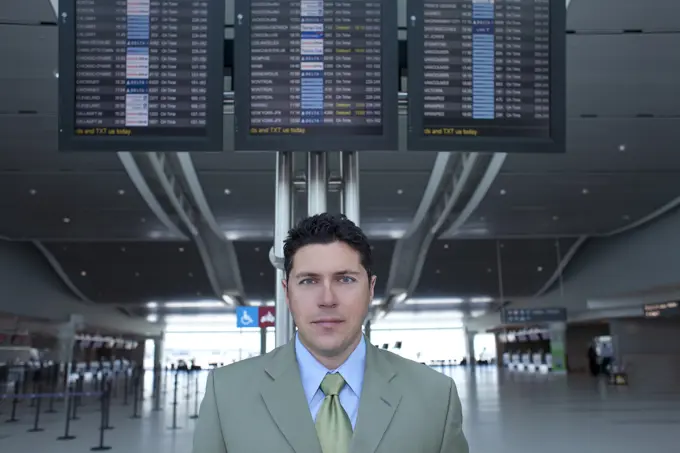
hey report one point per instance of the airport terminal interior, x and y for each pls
(514, 164)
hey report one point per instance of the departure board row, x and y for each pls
(311, 75)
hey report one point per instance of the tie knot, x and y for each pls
(332, 384)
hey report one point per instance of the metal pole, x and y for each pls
(263, 340)
(349, 168)
(283, 220)
(316, 183)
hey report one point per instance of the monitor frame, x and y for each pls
(388, 141)
(212, 141)
(417, 141)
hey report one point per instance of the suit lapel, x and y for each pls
(285, 399)
(377, 404)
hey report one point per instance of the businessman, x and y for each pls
(329, 390)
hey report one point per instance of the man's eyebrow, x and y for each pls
(315, 274)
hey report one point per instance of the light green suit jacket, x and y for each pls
(259, 406)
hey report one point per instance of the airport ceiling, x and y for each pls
(97, 230)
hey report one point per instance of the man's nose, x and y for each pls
(328, 297)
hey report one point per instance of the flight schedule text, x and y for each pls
(315, 66)
(141, 68)
(486, 68)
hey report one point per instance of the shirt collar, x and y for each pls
(312, 371)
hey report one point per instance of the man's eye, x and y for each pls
(347, 279)
(306, 281)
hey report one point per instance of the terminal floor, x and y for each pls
(504, 412)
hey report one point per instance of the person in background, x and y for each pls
(329, 390)
(592, 360)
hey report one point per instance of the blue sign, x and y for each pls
(247, 317)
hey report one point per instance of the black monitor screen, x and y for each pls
(141, 75)
(487, 75)
(316, 75)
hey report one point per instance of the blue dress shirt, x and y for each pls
(312, 373)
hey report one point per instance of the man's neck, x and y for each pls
(333, 363)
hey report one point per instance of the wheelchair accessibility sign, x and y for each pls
(255, 317)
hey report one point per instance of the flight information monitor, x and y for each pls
(315, 75)
(141, 75)
(486, 75)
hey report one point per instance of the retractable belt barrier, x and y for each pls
(33, 393)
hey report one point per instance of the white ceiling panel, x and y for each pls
(28, 51)
(616, 15)
(605, 145)
(48, 191)
(31, 142)
(26, 12)
(28, 94)
(623, 75)
(28, 82)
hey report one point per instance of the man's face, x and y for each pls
(328, 293)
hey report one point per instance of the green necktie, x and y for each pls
(332, 423)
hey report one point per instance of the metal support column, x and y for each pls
(283, 220)
(317, 183)
(349, 169)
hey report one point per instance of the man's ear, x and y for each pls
(284, 285)
(374, 278)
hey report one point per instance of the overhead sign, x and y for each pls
(316, 75)
(267, 316)
(663, 309)
(255, 317)
(141, 75)
(486, 76)
(533, 315)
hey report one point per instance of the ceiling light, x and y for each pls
(232, 236)
(446, 246)
(503, 192)
(136, 274)
(143, 219)
(556, 218)
(33, 191)
(181, 249)
(152, 304)
(626, 217)
(540, 269)
(121, 192)
(198, 304)
(123, 249)
(400, 297)
(395, 234)
(622, 148)
(55, 73)
(66, 220)
(437, 271)
(257, 249)
(585, 191)
(255, 303)
(435, 301)
(227, 192)
(399, 191)
(481, 300)
(489, 270)
(198, 293)
(191, 274)
(152, 318)
(83, 273)
(261, 274)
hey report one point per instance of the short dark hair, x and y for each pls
(325, 229)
